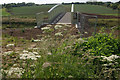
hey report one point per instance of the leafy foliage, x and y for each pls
(101, 44)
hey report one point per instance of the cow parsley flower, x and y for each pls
(58, 26)
(45, 28)
(10, 45)
(111, 58)
(8, 53)
(59, 34)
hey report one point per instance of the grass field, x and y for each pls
(30, 10)
(95, 9)
(68, 7)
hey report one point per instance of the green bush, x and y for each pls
(102, 44)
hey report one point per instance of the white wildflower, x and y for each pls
(59, 34)
(45, 28)
(67, 47)
(49, 53)
(16, 71)
(10, 45)
(8, 53)
(30, 48)
(111, 58)
(81, 40)
(49, 25)
(76, 25)
(25, 51)
(37, 40)
(35, 52)
(70, 76)
(38, 56)
(23, 57)
(105, 64)
(15, 65)
(30, 55)
(32, 65)
(2, 70)
(116, 62)
(35, 27)
(73, 36)
(35, 48)
(67, 25)
(56, 73)
(58, 26)
(39, 35)
(86, 32)
(33, 58)
(65, 29)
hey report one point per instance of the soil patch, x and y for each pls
(28, 33)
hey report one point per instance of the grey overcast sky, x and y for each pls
(50, 1)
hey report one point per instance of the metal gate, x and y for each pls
(86, 24)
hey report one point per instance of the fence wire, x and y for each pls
(50, 17)
(86, 24)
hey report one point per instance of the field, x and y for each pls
(68, 7)
(58, 50)
(28, 11)
(84, 8)
(95, 9)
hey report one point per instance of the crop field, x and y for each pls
(68, 7)
(29, 11)
(95, 9)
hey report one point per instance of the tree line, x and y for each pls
(9, 5)
(112, 5)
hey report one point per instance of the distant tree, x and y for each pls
(111, 5)
(8, 6)
(119, 7)
(30, 4)
(115, 6)
(63, 3)
(108, 5)
(118, 2)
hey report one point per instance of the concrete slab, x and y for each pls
(66, 19)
